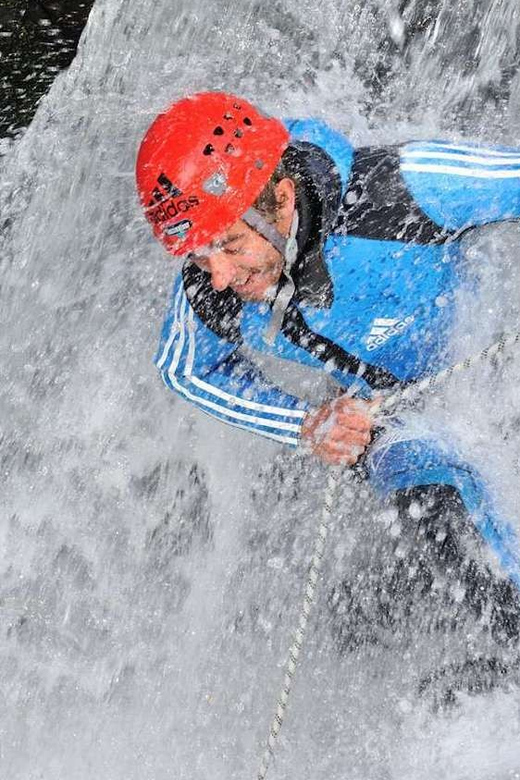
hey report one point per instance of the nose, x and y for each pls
(222, 271)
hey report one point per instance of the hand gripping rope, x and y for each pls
(388, 404)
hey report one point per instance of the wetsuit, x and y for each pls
(375, 278)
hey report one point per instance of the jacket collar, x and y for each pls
(318, 198)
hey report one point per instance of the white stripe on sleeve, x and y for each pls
(216, 407)
(476, 173)
(200, 401)
(469, 158)
(233, 399)
(479, 150)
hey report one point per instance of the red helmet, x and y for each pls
(202, 164)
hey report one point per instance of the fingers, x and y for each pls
(353, 420)
(355, 408)
(352, 414)
(349, 436)
(338, 453)
(375, 404)
(340, 431)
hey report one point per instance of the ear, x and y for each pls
(286, 196)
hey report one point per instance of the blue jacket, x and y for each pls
(379, 245)
(377, 269)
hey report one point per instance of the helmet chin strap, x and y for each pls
(288, 248)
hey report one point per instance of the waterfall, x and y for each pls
(152, 560)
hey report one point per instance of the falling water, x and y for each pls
(152, 559)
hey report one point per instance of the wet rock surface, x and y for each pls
(37, 40)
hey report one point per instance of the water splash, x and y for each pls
(151, 558)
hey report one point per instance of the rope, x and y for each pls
(295, 649)
(417, 388)
(389, 403)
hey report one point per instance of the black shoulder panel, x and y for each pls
(318, 191)
(318, 198)
(219, 311)
(298, 332)
(378, 205)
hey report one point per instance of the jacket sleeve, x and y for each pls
(462, 185)
(209, 372)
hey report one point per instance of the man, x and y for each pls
(299, 247)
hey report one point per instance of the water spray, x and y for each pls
(388, 405)
(310, 591)
(416, 389)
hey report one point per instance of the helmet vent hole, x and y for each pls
(228, 116)
(230, 149)
(218, 131)
(237, 106)
(238, 133)
(208, 149)
(247, 121)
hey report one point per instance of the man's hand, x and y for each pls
(340, 431)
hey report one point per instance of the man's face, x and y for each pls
(243, 260)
